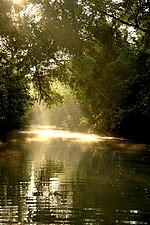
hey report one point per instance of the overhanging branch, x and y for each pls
(135, 25)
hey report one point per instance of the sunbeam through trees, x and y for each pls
(98, 49)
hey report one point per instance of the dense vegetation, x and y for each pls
(99, 49)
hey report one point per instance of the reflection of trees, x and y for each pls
(30, 189)
(12, 182)
(115, 188)
(52, 192)
(64, 182)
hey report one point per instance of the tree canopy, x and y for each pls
(100, 49)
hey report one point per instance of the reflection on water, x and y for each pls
(50, 176)
(46, 132)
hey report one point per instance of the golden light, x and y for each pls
(45, 133)
(18, 1)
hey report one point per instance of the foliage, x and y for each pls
(107, 75)
(99, 48)
(15, 96)
(133, 118)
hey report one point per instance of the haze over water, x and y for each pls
(51, 176)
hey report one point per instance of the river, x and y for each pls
(51, 176)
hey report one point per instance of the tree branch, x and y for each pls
(136, 25)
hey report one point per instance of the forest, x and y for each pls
(99, 50)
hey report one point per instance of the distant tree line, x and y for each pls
(99, 49)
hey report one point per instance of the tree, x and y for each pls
(107, 73)
(15, 96)
(84, 44)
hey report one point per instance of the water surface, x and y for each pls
(50, 176)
